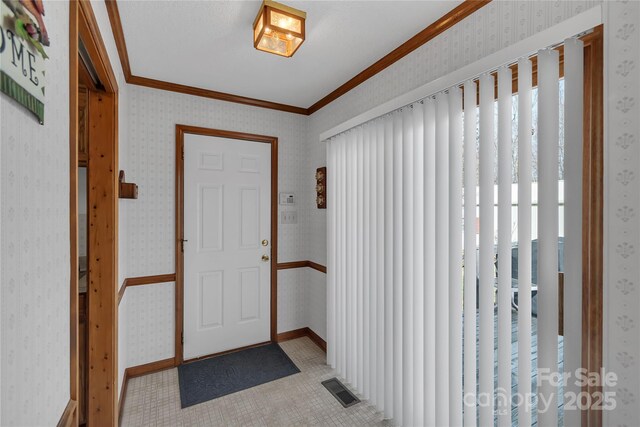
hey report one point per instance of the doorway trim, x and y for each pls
(181, 130)
(102, 314)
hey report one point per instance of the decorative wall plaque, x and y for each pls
(321, 188)
(23, 38)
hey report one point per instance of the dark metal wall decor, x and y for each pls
(321, 188)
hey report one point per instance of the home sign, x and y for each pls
(23, 39)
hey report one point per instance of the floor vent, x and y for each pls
(340, 392)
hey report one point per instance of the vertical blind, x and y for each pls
(423, 285)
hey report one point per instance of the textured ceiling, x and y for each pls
(208, 44)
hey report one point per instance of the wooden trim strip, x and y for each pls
(292, 264)
(438, 27)
(592, 217)
(317, 340)
(150, 368)
(220, 133)
(149, 280)
(118, 35)
(303, 332)
(179, 258)
(92, 39)
(212, 94)
(292, 335)
(123, 395)
(302, 264)
(68, 415)
(317, 266)
(274, 239)
(73, 204)
(233, 350)
(123, 288)
(144, 280)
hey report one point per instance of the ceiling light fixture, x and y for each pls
(278, 29)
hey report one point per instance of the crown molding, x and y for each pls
(118, 35)
(212, 94)
(438, 27)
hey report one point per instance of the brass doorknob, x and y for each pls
(265, 258)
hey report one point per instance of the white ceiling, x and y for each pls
(208, 44)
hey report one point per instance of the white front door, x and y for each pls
(227, 228)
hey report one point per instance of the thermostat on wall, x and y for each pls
(287, 199)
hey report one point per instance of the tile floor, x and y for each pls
(297, 400)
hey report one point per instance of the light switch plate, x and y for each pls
(289, 217)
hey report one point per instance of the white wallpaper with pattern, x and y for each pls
(293, 294)
(316, 302)
(34, 218)
(622, 209)
(149, 311)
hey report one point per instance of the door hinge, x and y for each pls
(181, 337)
(182, 153)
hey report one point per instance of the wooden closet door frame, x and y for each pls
(102, 400)
(592, 216)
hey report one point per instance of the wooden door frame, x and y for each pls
(592, 216)
(103, 232)
(74, 360)
(181, 130)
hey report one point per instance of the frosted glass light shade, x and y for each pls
(278, 29)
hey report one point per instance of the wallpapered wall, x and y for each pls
(622, 208)
(34, 364)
